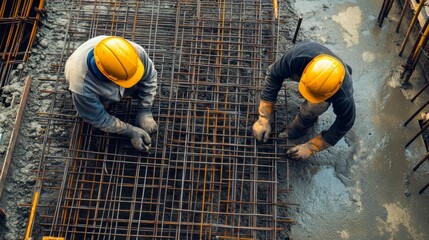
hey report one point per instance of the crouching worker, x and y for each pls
(104, 69)
(324, 79)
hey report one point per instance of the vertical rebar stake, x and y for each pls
(297, 29)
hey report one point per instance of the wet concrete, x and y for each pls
(363, 187)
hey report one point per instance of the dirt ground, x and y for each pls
(362, 188)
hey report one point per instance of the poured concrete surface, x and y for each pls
(363, 187)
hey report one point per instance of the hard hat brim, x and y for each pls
(133, 80)
(304, 92)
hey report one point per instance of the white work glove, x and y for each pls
(147, 123)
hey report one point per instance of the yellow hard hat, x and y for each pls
(322, 78)
(117, 59)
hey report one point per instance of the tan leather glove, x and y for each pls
(304, 151)
(262, 127)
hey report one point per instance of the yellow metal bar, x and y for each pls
(422, 43)
(276, 9)
(33, 212)
(416, 14)
(14, 135)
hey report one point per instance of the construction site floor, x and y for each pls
(363, 188)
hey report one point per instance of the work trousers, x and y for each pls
(309, 112)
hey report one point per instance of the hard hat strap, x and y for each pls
(92, 66)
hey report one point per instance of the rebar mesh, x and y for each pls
(206, 177)
(19, 20)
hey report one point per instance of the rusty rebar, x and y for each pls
(206, 177)
(19, 21)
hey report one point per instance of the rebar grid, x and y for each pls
(19, 21)
(206, 177)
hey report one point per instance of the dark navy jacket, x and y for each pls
(292, 64)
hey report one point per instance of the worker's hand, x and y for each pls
(147, 123)
(139, 138)
(262, 129)
(301, 152)
(304, 151)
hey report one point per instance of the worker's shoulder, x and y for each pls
(308, 50)
(309, 43)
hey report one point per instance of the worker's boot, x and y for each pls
(297, 127)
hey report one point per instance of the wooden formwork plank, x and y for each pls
(14, 135)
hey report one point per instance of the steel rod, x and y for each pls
(421, 162)
(295, 35)
(424, 188)
(415, 113)
(413, 20)
(424, 126)
(402, 16)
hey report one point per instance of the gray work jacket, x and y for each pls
(90, 93)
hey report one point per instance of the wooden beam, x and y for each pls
(14, 135)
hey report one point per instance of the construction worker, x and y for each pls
(324, 79)
(103, 70)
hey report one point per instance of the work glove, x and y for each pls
(139, 138)
(147, 123)
(262, 128)
(304, 151)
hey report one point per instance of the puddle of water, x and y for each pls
(350, 20)
(397, 217)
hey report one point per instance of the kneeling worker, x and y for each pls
(104, 69)
(324, 79)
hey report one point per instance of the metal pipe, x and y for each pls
(415, 113)
(421, 162)
(419, 92)
(295, 35)
(424, 188)
(380, 13)
(425, 125)
(402, 15)
(384, 11)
